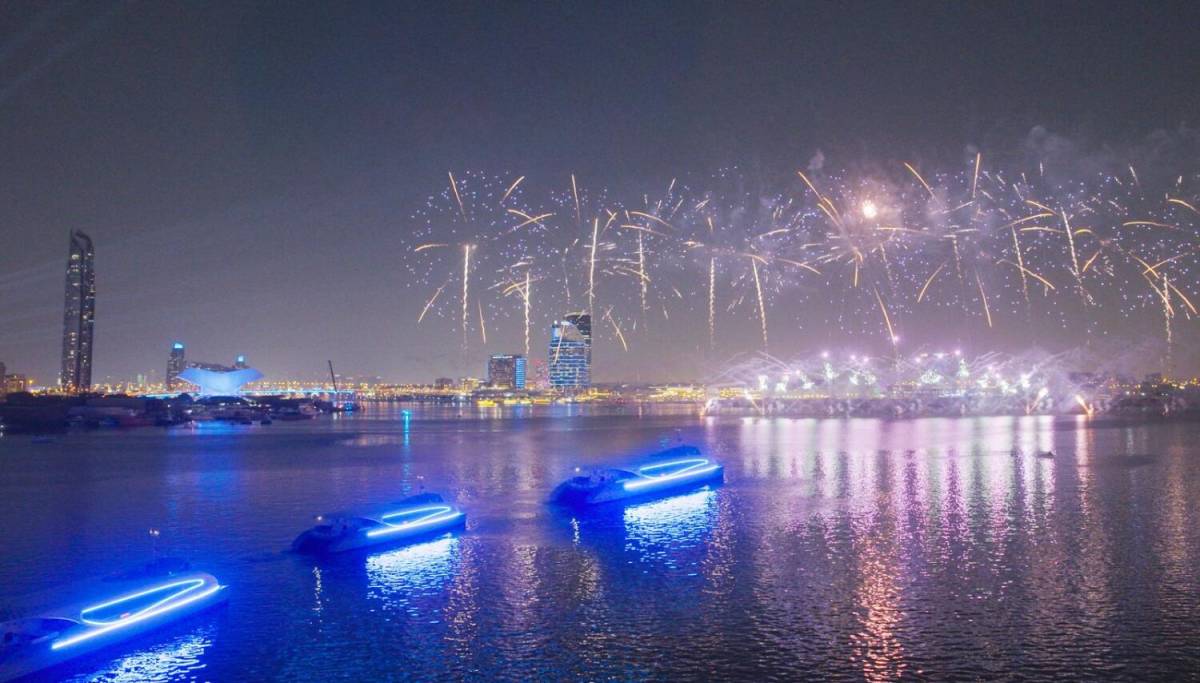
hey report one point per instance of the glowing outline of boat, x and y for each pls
(415, 518)
(33, 644)
(684, 468)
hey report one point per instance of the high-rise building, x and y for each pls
(79, 315)
(570, 359)
(506, 371)
(519, 373)
(176, 363)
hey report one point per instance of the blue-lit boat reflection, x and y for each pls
(400, 576)
(659, 530)
(178, 659)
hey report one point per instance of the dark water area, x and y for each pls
(839, 549)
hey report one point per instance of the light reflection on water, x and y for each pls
(849, 549)
(180, 658)
(398, 577)
(659, 530)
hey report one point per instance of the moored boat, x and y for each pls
(122, 608)
(415, 518)
(668, 471)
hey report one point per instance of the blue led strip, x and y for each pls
(434, 514)
(691, 467)
(190, 591)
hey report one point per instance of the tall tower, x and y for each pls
(79, 315)
(176, 363)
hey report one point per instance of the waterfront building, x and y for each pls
(570, 357)
(176, 363)
(79, 315)
(3, 377)
(221, 381)
(443, 383)
(506, 371)
(15, 383)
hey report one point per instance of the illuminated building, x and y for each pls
(3, 381)
(175, 365)
(79, 315)
(506, 370)
(570, 357)
(219, 382)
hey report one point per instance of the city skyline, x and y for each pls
(297, 243)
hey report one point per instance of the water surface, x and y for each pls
(860, 549)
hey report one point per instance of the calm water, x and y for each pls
(837, 548)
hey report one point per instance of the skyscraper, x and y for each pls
(176, 363)
(506, 370)
(79, 315)
(570, 358)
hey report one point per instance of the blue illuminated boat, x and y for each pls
(124, 607)
(667, 472)
(418, 517)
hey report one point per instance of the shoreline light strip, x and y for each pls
(438, 514)
(137, 618)
(695, 467)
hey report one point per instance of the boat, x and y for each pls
(123, 607)
(670, 471)
(418, 517)
(1049, 455)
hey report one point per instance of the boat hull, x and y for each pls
(316, 542)
(89, 637)
(620, 491)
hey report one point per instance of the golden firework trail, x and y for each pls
(429, 303)
(529, 220)
(921, 294)
(525, 294)
(1024, 271)
(1184, 204)
(652, 217)
(1168, 313)
(1088, 264)
(1020, 264)
(575, 193)
(466, 290)
(641, 251)
(482, 326)
(712, 301)
(511, 188)
(887, 320)
(592, 268)
(431, 245)
(762, 306)
(987, 311)
(975, 178)
(1153, 224)
(919, 178)
(616, 328)
(454, 186)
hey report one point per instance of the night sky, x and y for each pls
(250, 171)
